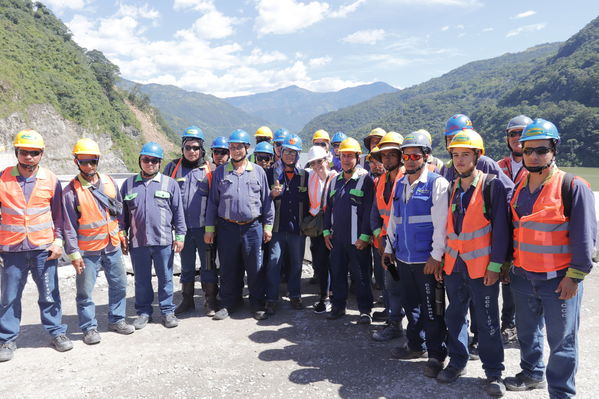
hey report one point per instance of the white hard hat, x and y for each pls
(316, 152)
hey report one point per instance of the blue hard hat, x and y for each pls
(456, 123)
(417, 139)
(265, 147)
(540, 129)
(193, 132)
(239, 136)
(280, 135)
(293, 142)
(338, 137)
(518, 123)
(152, 149)
(220, 142)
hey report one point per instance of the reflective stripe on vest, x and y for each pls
(384, 207)
(96, 226)
(473, 244)
(541, 242)
(506, 166)
(30, 220)
(354, 210)
(165, 229)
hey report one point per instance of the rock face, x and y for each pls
(59, 135)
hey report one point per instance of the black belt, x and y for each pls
(239, 222)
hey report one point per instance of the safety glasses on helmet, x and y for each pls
(537, 150)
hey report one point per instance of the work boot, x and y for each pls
(141, 321)
(211, 304)
(222, 314)
(365, 319)
(170, 320)
(7, 350)
(381, 315)
(296, 303)
(322, 306)
(494, 386)
(271, 307)
(336, 313)
(62, 343)
(450, 374)
(91, 337)
(522, 382)
(121, 327)
(187, 303)
(433, 367)
(405, 353)
(392, 330)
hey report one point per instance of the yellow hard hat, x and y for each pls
(376, 132)
(427, 134)
(263, 131)
(321, 134)
(29, 138)
(350, 145)
(86, 147)
(392, 140)
(375, 153)
(467, 138)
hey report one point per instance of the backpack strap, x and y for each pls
(567, 193)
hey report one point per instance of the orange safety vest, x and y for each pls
(506, 166)
(30, 220)
(206, 166)
(96, 228)
(473, 244)
(315, 199)
(541, 242)
(384, 207)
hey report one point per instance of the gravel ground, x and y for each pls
(294, 354)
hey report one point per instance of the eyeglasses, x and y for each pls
(289, 151)
(321, 144)
(192, 148)
(150, 160)
(263, 158)
(220, 152)
(537, 150)
(413, 157)
(514, 133)
(33, 153)
(85, 162)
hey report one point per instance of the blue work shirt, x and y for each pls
(239, 196)
(293, 199)
(152, 208)
(484, 164)
(194, 185)
(27, 184)
(582, 227)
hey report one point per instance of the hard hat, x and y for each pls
(457, 123)
(152, 149)
(239, 136)
(417, 139)
(424, 131)
(29, 138)
(86, 147)
(350, 145)
(467, 138)
(391, 140)
(321, 134)
(375, 153)
(263, 131)
(338, 137)
(264, 147)
(316, 152)
(376, 132)
(220, 142)
(193, 132)
(280, 135)
(540, 129)
(293, 142)
(518, 123)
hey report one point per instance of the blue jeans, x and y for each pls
(239, 249)
(418, 297)
(112, 263)
(538, 306)
(508, 310)
(142, 258)
(344, 257)
(194, 243)
(14, 276)
(281, 244)
(461, 291)
(321, 263)
(394, 302)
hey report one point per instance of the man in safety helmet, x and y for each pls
(289, 191)
(415, 243)
(389, 153)
(335, 143)
(347, 232)
(433, 163)
(152, 210)
(263, 134)
(370, 142)
(92, 207)
(31, 233)
(264, 155)
(476, 249)
(220, 152)
(554, 235)
(240, 213)
(194, 178)
(277, 140)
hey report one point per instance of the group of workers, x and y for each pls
(427, 230)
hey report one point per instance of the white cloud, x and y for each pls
(461, 27)
(445, 28)
(388, 60)
(488, 29)
(320, 61)
(198, 5)
(213, 25)
(526, 28)
(524, 14)
(60, 5)
(370, 36)
(288, 16)
(137, 12)
(429, 3)
(259, 57)
(344, 11)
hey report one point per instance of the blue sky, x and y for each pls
(238, 47)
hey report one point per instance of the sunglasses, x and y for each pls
(220, 152)
(514, 133)
(413, 157)
(33, 153)
(263, 158)
(335, 145)
(321, 144)
(151, 160)
(192, 148)
(537, 150)
(85, 162)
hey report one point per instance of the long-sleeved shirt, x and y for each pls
(27, 184)
(152, 208)
(484, 164)
(403, 192)
(500, 218)
(582, 229)
(70, 205)
(194, 186)
(338, 218)
(376, 222)
(287, 205)
(239, 196)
